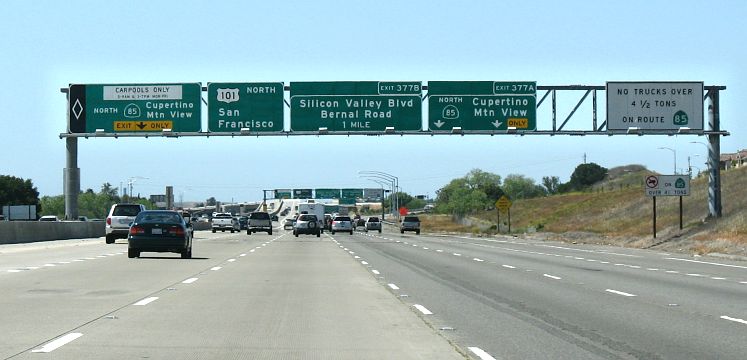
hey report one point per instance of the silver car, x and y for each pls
(307, 224)
(342, 223)
(373, 223)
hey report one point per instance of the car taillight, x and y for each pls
(108, 221)
(177, 230)
(135, 230)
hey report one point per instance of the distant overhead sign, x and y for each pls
(327, 193)
(302, 194)
(373, 194)
(350, 106)
(482, 105)
(667, 185)
(115, 108)
(253, 107)
(283, 193)
(654, 105)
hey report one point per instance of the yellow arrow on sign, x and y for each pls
(143, 125)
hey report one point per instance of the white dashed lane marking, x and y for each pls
(393, 287)
(189, 281)
(422, 309)
(741, 321)
(619, 292)
(51, 346)
(146, 301)
(480, 353)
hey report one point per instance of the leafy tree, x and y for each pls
(17, 191)
(53, 205)
(551, 184)
(586, 175)
(475, 191)
(522, 187)
(211, 201)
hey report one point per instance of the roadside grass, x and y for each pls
(620, 208)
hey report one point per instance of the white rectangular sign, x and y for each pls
(654, 105)
(667, 185)
(143, 92)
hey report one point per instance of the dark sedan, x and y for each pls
(159, 231)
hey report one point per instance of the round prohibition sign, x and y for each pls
(652, 181)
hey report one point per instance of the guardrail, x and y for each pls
(15, 232)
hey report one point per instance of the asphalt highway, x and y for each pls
(368, 296)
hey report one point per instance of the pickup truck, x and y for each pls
(259, 221)
(224, 221)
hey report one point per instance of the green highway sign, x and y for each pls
(350, 106)
(351, 193)
(482, 105)
(253, 107)
(302, 194)
(283, 193)
(326, 193)
(117, 108)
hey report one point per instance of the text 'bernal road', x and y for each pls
(356, 106)
(253, 107)
(655, 105)
(482, 105)
(134, 108)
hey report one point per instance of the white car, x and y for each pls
(342, 223)
(49, 218)
(119, 219)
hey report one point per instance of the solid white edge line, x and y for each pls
(480, 353)
(146, 301)
(741, 321)
(54, 344)
(706, 262)
(393, 287)
(551, 276)
(189, 281)
(422, 309)
(619, 292)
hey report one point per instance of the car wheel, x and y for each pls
(318, 233)
(109, 239)
(213, 231)
(248, 232)
(269, 232)
(379, 231)
(333, 232)
(295, 234)
(187, 254)
(366, 229)
(417, 232)
(351, 232)
(231, 231)
(401, 231)
(132, 253)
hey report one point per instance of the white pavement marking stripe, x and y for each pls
(734, 319)
(216, 268)
(478, 260)
(14, 271)
(364, 263)
(423, 309)
(189, 281)
(146, 301)
(551, 276)
(709, 263)
(619, 292)
(393, 287)
(376, 272)
(508, 266)
(231, 260)
(51, 346)
(480, 353)
(456, 254)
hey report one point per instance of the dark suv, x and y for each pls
(410, 223)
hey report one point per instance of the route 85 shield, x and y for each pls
(228, 95)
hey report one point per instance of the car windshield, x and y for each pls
(126, 210)
(259, 216)
(373, 219)
(411, 219)
(159, 217)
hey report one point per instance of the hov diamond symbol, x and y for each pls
(77, 109)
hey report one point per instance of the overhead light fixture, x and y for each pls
(389, 130)
(683, 130)
(634, 130)
(511, 130)
(323, 131)
(456, 130)
(245, 131)
(99, 131)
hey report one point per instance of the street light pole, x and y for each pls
(396, 186)
(391, 185)
(675, 157)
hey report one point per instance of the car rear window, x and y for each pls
(373, 219)
(411, 219)
(259, 216)
(305, 217)
(342, 218)
(223, 216)
(126, 210)
(158, 217)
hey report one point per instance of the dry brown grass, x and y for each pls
(622, 212)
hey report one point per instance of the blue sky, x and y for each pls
(47, 45)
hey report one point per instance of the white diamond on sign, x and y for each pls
(77, 109)
(228, 95)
